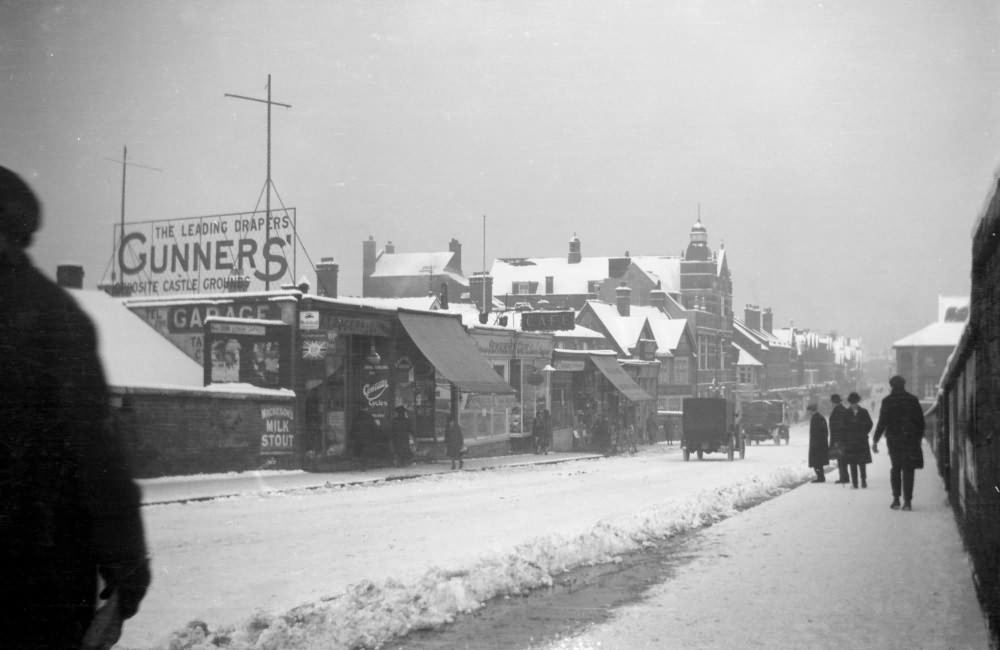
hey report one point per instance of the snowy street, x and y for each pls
(382, 559)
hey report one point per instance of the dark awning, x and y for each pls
(609, 367)
(452, 352)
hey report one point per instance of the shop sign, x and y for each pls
(314, 346)
(202, 254)
(309, 320)
(236, 328)
(375, 391)
(548, 321)
(351, 325)
(570, 365)
(191, 318)
(279, 435)
(510, 346)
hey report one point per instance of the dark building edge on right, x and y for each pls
(966, 440)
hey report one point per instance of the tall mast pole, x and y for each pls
(121, 232)
(267, 185)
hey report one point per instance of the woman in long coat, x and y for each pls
(857, 454)
(819, 443)
(454, 441)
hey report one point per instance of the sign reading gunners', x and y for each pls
(206, 254)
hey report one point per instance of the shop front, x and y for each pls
(592, 384)
(520, 358)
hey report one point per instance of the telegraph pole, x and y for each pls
(121, 233)
(267, 183)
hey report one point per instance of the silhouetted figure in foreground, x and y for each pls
(69, 509)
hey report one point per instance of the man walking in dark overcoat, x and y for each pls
(69, 509)
(838, 424)
(902, 421)
(856, 452)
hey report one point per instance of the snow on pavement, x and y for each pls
(406, 554)
(822, 567)
(369, 613)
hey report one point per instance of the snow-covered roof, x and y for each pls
(566, 278)
(625, 330)
(425, 303)
(579, 332)
(416, 264)
(934, 335)
(745, 358)
(133, 353)
(666, 270)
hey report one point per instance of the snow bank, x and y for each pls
(368, 614)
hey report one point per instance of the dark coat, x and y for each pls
(818, 442)
(69, 509)
(856, 450)
(838, 422)
(454, 441)
(401, 430)
(902, 421)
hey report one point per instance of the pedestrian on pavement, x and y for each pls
(454, 442)
(602, 434)
(363, 433)
(818, 443)
(856, 451)
(401, 429)
(69, 509)
(838, 422)
(652, 428)
(902, 421)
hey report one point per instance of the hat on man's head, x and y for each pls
(853, 398)
(897, 382)
(835, 398)
(20, 211)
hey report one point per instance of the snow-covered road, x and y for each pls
(220, 561)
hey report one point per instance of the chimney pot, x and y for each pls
(623, 299)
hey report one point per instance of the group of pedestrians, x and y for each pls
(845, 438)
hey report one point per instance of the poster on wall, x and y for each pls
(248, 353)
(375, 391)
(279, 434)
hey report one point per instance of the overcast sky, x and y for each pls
(842, 151)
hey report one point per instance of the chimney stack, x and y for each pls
(481, 291)
(456, 259)
(768, 321)
(326, 277)
(752, 317)
(574, 250)
(367, 263)
(623, 298)
(390, 248)
(658, 299)
(69, 276)
(443, 296)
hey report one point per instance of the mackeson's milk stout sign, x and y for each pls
(206, 254)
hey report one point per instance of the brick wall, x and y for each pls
(174, 432)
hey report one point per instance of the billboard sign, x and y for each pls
(210, 254)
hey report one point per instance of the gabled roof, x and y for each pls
(754, 335)
(567, 279)
(133, 354)
(934, 335)
(390, 265)
(745, 358)
(624, 330)
(662, 269)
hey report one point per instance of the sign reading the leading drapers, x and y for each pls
(241, 251)
(548, 321)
